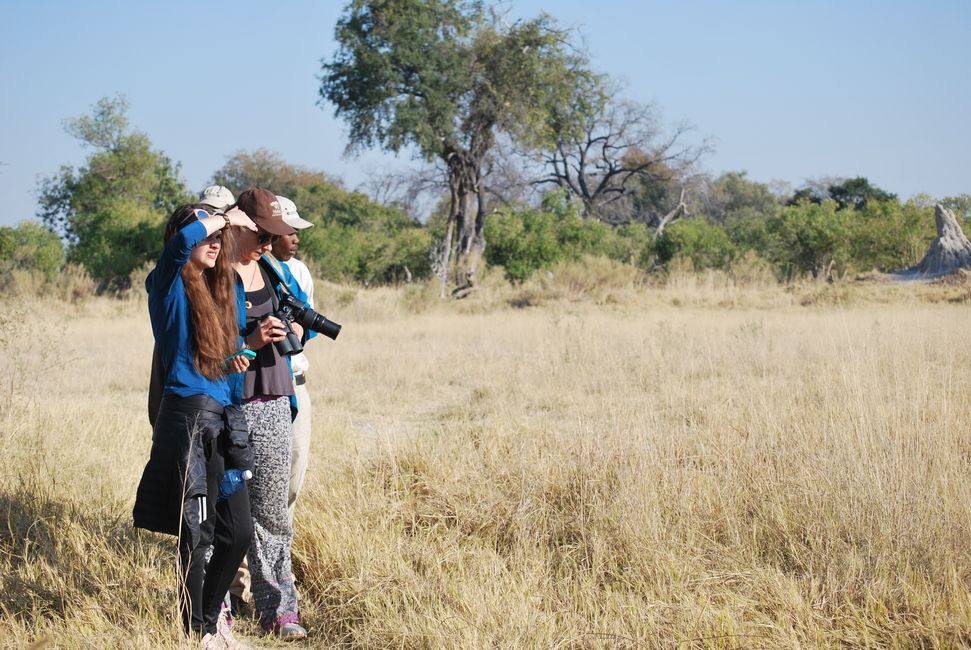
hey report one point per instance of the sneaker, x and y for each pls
(291, 632)
(225, 619)
(232, 643)
(224, 626)
(214, 642)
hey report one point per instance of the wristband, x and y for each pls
(226, 217)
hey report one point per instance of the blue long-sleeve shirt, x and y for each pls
(168, 308)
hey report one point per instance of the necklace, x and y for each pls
(248, 286)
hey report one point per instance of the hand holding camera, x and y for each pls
(269, 330)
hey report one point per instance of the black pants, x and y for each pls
(228, 527)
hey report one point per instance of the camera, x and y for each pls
(292, 310)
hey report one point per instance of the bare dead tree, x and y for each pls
(414, 190)
(621, 144)
(680, 210)
(507, 177)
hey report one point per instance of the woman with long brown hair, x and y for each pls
(198, 430)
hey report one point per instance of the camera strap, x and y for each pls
(274, 269)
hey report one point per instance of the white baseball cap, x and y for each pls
(217, 196)
(290, 216)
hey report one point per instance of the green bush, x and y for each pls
(704, 243)
(524, 240)
(886, 236)
(30, 247)
(810, 238)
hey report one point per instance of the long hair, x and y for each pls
(212, 299)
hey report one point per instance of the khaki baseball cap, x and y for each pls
(217, 196)
(290, 216)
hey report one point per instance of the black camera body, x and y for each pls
(292, 310)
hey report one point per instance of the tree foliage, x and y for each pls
(858, 193)
(526, 239)
(732, 196)
(111, 210)
(29, 246)
(446, 77)
(266, 169)
(848, 193)
(705, 244)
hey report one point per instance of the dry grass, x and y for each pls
(690, 465)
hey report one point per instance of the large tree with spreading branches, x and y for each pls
(447, 78)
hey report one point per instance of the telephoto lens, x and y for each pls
(310, 319)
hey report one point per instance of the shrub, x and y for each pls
(705, 244)
(30, 247)
(810, 238)
(887, 235)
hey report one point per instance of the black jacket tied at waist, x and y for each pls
(188, 430)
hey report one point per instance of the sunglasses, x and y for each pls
(266, 238)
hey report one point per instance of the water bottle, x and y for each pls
(233, 480)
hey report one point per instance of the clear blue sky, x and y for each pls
(789, 90)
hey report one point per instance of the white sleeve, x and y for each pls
(302, 275)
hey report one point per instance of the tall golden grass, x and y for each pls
(696, 464)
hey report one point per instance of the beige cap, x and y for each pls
(290, 215)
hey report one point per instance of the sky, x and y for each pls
(786, 90)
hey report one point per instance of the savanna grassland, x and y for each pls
(567, 464)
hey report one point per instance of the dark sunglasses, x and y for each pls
(266, 238)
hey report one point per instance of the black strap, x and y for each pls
(156, 384)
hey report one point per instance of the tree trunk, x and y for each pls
(445, 255)
(466, 210)
(679, 210)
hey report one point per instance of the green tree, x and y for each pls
(857, 193)
(848, 193)
(30, 247)
(354, 238)
(111, 211)
(810, 238)
(266, 169)
(733, 196)
(960, 205)
(447, 77)
(523, 241)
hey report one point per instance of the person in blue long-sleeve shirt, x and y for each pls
(199, 428)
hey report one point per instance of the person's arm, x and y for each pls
(176, 252)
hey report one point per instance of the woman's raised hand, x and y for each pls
(238, 218)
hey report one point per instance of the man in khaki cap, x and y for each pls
(284, 250)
